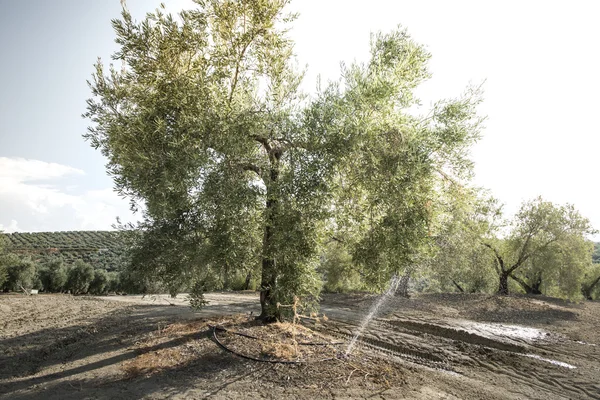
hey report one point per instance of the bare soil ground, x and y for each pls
(427, 347)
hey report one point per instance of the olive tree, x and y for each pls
(100, 282)
(53, 275)
(79, 277)
(237, 170)
(591, 279)
(3, 263)
(466, 218)
(545, 241)
(21, 273)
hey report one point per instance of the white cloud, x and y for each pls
(22, 169)
(19, 180)
(30, 193)
(13, 226)
(99, 209)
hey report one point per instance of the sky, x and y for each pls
(538, 62)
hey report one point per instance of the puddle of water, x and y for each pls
(585, 343)
(490, 330)
(559, 363)
(452, 373)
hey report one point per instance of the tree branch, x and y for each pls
(237, 71)
(251, 167)
(496, 266)
(262, 140)
(279, 150)
(498, 256)
(521, 282)
(237, 65)
(523, 258)
(595, 282)
(519, 262)
(524, 247)
(447, 177)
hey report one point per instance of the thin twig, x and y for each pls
(349, 376)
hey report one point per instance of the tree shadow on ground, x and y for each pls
(27, 354)
(212, 372)
(515, 309)
(77, 362)
(477, 298)
(216, 370)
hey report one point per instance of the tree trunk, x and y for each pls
(503, 286)
(535, 289)
(226, 281)
(267, 282)
(247, 283)
(269, 273)
(586, 292)
(403, 285)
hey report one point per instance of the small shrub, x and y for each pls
(21, 273)
(339, 275)
(196, 295)
(79, 278)
(99, 284)
(114, 282)
(3, 275)
(53, 276)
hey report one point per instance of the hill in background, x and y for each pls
(101, 249)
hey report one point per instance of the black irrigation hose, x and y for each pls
(221, 345)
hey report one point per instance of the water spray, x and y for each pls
(394, 282)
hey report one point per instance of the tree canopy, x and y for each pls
(205, 127)
(467, 218)
(546, 242)
(3, 262)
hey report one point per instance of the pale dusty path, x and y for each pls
(219, 303)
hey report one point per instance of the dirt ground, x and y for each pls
(426, 347)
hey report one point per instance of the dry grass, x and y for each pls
(280, 351)
(154, 355)
(177, 345)
(149, 363)
(173, 345)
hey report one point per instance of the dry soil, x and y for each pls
(426, 347)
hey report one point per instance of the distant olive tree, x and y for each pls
(590, 288)
(79, 277)
(53, 276)
(3, 261)
(100, 282)
(21, 273)
(114, 282)
(458, 261)
(545, 243)
(339, 272)
(3, 274)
